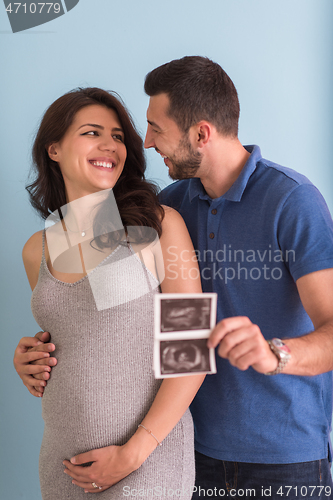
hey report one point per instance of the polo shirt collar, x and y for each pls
(237, 189)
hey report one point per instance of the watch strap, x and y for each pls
(282, 360)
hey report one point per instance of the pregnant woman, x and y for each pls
(109, 424)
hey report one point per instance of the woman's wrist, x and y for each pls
(140, 446)
(150, 432)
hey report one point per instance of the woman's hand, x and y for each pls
(110, 465)
(33, 362)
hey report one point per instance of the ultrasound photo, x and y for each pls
(185, 314)
(179, 356)
(183, 323)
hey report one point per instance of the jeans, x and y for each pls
(238, 480)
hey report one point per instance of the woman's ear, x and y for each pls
(52, 152)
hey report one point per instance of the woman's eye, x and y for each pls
(91, 132)
(118, 137)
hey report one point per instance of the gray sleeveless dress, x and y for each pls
(103, 384)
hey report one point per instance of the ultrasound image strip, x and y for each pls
(182, 325)
(191, 314)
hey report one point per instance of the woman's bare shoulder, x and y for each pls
(32, 256)
(174, 230)
(33, 248)
(172, 219)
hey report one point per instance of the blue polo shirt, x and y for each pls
(269, 229)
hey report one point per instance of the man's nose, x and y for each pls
(149, 141)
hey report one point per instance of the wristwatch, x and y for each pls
(282, 352)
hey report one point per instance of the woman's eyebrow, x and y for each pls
(116, 129)
(91, 125)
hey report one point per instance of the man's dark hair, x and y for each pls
(198, 89)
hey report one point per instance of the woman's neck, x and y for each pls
(80, 213)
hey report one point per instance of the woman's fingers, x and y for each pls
(89, 487)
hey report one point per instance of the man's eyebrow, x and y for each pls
(153, 124)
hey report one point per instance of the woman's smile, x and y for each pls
(92, 154)
(104, 163)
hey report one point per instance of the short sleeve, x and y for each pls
(305, 232)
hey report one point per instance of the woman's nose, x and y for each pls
(108, 143)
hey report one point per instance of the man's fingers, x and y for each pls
(30, 382)
(226, 326)
(38, 375)
(43, 348)
(27, 342)
(42, 375)
(43, 336)
(36, 369)
(239, 337)
(35, 392)
(27, 357)
(242, 355)
(36, 353)
(39, 388)
(51, 361)
(32, 344)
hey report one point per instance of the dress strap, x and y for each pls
(43, 246)
(142, 264)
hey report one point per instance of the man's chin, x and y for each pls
(178, 176)
(173, 176)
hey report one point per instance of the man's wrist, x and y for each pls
(282, 352)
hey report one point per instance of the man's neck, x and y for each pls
(222, 165)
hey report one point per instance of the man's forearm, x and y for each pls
(311, 354)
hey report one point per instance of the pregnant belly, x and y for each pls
(96, 402)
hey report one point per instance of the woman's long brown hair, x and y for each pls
(135, 196)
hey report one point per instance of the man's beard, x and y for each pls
(186, 162)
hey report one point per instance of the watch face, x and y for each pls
(281, 346)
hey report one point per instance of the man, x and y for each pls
(264, 241)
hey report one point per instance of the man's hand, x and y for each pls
(110, 465)
(243, 344)
(33, 362)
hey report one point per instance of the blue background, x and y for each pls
(277, 52)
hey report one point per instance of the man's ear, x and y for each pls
(202, 133)
(52, 152)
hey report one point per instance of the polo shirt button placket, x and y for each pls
(212, 225)
(214, 214)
